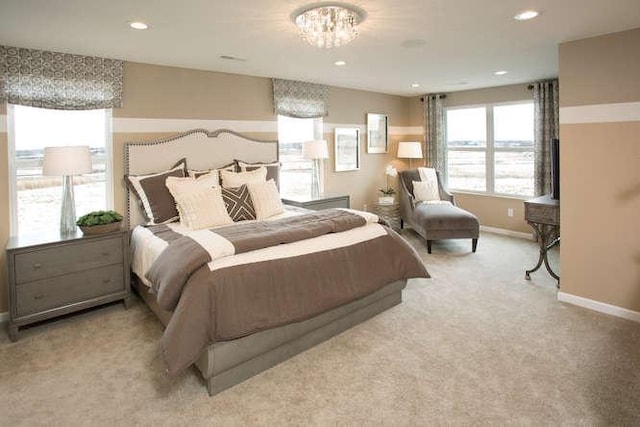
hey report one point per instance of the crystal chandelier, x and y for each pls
(328, 25)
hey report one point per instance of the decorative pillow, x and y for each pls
(231, 167)
(152, 194)
(273, 168)
(426, 191)
(238, 203)
(203, 208)
(266, 199)
(233, 179)
(178, 186)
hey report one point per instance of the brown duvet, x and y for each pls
(234, 301)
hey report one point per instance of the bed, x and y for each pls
(235, 315)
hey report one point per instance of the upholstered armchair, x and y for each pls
(435, 221)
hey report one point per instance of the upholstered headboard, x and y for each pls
(203, 149)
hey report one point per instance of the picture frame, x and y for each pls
(377, 133)
(347, 149)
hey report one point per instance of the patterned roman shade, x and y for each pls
(61, 81)
(300, 99)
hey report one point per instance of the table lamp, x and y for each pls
(66, 162)
(409, 150)
(316, 151)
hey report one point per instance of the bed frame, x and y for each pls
(226, 363)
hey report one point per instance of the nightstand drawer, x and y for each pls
(543, 214)
(68, 258)
(40, 295)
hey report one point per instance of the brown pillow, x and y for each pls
(273, 169)
(154, 197)
(238, 202)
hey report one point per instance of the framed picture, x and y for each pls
(377, 133)
(347, 148)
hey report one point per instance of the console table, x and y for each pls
(543, 214)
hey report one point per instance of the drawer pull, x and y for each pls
(106, 253)
(38, 296)
(37, 265)
(105, 281)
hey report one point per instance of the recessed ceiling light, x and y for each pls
(525, 15)
(340, 63)
(138, 25)
(415, 84)
(500, 73)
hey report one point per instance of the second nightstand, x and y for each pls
(53, 276)
(323, 201)
(388, 212)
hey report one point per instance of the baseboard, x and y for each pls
(599, 306)
(4, 317)
(519, 234)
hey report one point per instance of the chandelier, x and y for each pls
(328, 25)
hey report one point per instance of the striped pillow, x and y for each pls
(238, 202)
(202, 209)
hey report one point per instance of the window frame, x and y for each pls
(318, 132)
(490, 149)
(12, 169)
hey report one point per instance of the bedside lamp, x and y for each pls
(316, 151)
(66, 162)
(409, 150)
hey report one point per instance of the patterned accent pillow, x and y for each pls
(233, 180)
(231, 167)
(238, 202)
(266, 199)
(152, 194)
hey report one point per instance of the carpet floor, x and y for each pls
(476, 344)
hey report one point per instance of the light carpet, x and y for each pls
(476, 344)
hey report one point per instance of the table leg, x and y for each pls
(548, 236)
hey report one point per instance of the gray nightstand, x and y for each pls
(52, 276)
(323, 201)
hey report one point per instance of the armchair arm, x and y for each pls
(444, 194)
(407, 203)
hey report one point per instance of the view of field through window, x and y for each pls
(38, 197)
(487, 155)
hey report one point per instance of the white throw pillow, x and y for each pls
(203, 209)
(237, 179)
(187, 185)
(266, 199)
(425, 191)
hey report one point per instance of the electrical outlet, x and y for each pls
(364, 208)
(510, 212)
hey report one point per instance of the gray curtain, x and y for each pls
(546, 126)
(59, 81)
(300, 99)
(435, 149)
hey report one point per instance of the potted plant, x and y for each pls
(98, 222)
(388, 191)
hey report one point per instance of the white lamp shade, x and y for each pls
(315, 149)
(61, 161)
(409, 150)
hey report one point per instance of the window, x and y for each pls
(296, 172)
(490, 148)
(36, 199)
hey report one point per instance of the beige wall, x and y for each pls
(600, 164)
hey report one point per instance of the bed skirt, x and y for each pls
(226, 363)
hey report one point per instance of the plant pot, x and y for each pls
(100, 229)
(386, 200)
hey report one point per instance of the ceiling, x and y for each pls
(444, 45)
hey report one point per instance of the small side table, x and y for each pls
(388, 212)
(543, 215)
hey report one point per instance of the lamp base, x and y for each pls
(68, 208)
